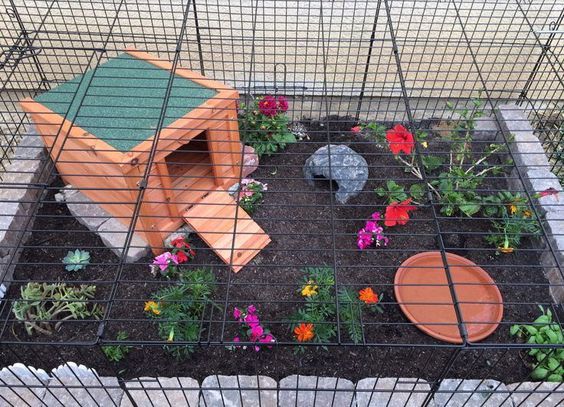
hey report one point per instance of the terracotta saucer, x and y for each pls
(421, 289)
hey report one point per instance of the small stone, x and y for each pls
(76, 385)
(244, 391)
(184, 231)
(298, 130)
(393, 392)
(537, 394)
(341, 164)
(486, 129)
(472, 393)
(325, 391)
(113, 233)
(250, 161)
(162, 391)
(33, 384)
(233, 188)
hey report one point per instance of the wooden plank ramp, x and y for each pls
(216, 217)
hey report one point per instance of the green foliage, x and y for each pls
(374, 131)
(548, 363)
(181, 309)
(396, 193)
(266, 134)
(350, 312)
(458, 192)
(44, 307)
(76, 260)
(250, 202)
(115, 353)
(320, 308)
(431, 162)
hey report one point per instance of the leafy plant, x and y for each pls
(319, 310)
(44, 307)
(350, 310)
(76, 260)
(179, 309)
(396, 193)
(251, 328)
(264, 125)
(549, 362)
(116, 353)
(251, 194)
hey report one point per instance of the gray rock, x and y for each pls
(113, 233)
(325, 391)
(239, 391)
(537, 394)
(85, 211)
(472, 393)
(392, 392)
(184, 230)
(75, 385)
(162, 391)
(33, 382)
(233, 188)
(340, 164)
(486, 129)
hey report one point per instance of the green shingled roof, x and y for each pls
(124, 100)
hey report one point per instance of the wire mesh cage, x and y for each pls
(281, 203)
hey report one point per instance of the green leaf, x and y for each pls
(555, 377)
(531, 330)
(416, 191)
(539, 373)
(431, 162)
(514, 330)
(469, 209)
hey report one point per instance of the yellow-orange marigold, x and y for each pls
(304, 332)
(368, 296)
(153, 307)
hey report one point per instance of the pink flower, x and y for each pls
(251, 320)
(236, 339)
(268, 106)
(267, 339)
(372, 227)
(364, 239)
(548, 192)
(356, 129)
(282, 103)
(256, 332)
(237, 313)
(376, 216)
(251, 309)
(164, 260)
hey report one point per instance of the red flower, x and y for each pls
(548, 192)
(397, 213)
(282, 103)
(179, 243)
(181, 256)
(400, 140)
(268, 106)
(368, 296)
(356, 129)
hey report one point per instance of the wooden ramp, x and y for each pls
(215, 217)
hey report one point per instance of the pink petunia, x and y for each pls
(237, 313)
(164, 260)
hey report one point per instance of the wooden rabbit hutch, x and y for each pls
(100, 127)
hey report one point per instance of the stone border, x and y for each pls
(77, 385)
(20, 189)
(534, 168)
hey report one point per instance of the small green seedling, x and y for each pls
(76, 260)
(549, 362)
(116, 353)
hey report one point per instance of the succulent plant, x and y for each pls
(76, 260)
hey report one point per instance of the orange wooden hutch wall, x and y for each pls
(111, 178)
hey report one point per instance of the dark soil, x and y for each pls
(307, 229)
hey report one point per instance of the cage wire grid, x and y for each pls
(339, 64)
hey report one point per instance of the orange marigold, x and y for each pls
(368, 296)
(304, 332)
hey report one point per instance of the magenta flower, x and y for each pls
(256, 332)
(237, 313)
(282, 104)
(251, 320)
(268, 106)
(364, 239)
(251, 309)
(372, 232)
(164, 260)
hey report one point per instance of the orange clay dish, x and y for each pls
(421, 289)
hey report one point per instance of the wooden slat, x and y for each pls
(213, 218)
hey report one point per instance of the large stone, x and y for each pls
(472, 393)
(85, 211)
(325, 391)
(21, 385)
(162, 391)
(341, 164)
(250, 161)
(486, 130)
(239, 391)
(75, 385)
(392, 392)
(114, 233)
(537, 394)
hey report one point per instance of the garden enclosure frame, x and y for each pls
(339, 64)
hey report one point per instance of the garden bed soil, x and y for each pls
(307, 229)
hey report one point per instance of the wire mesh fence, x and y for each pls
(353, 189)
